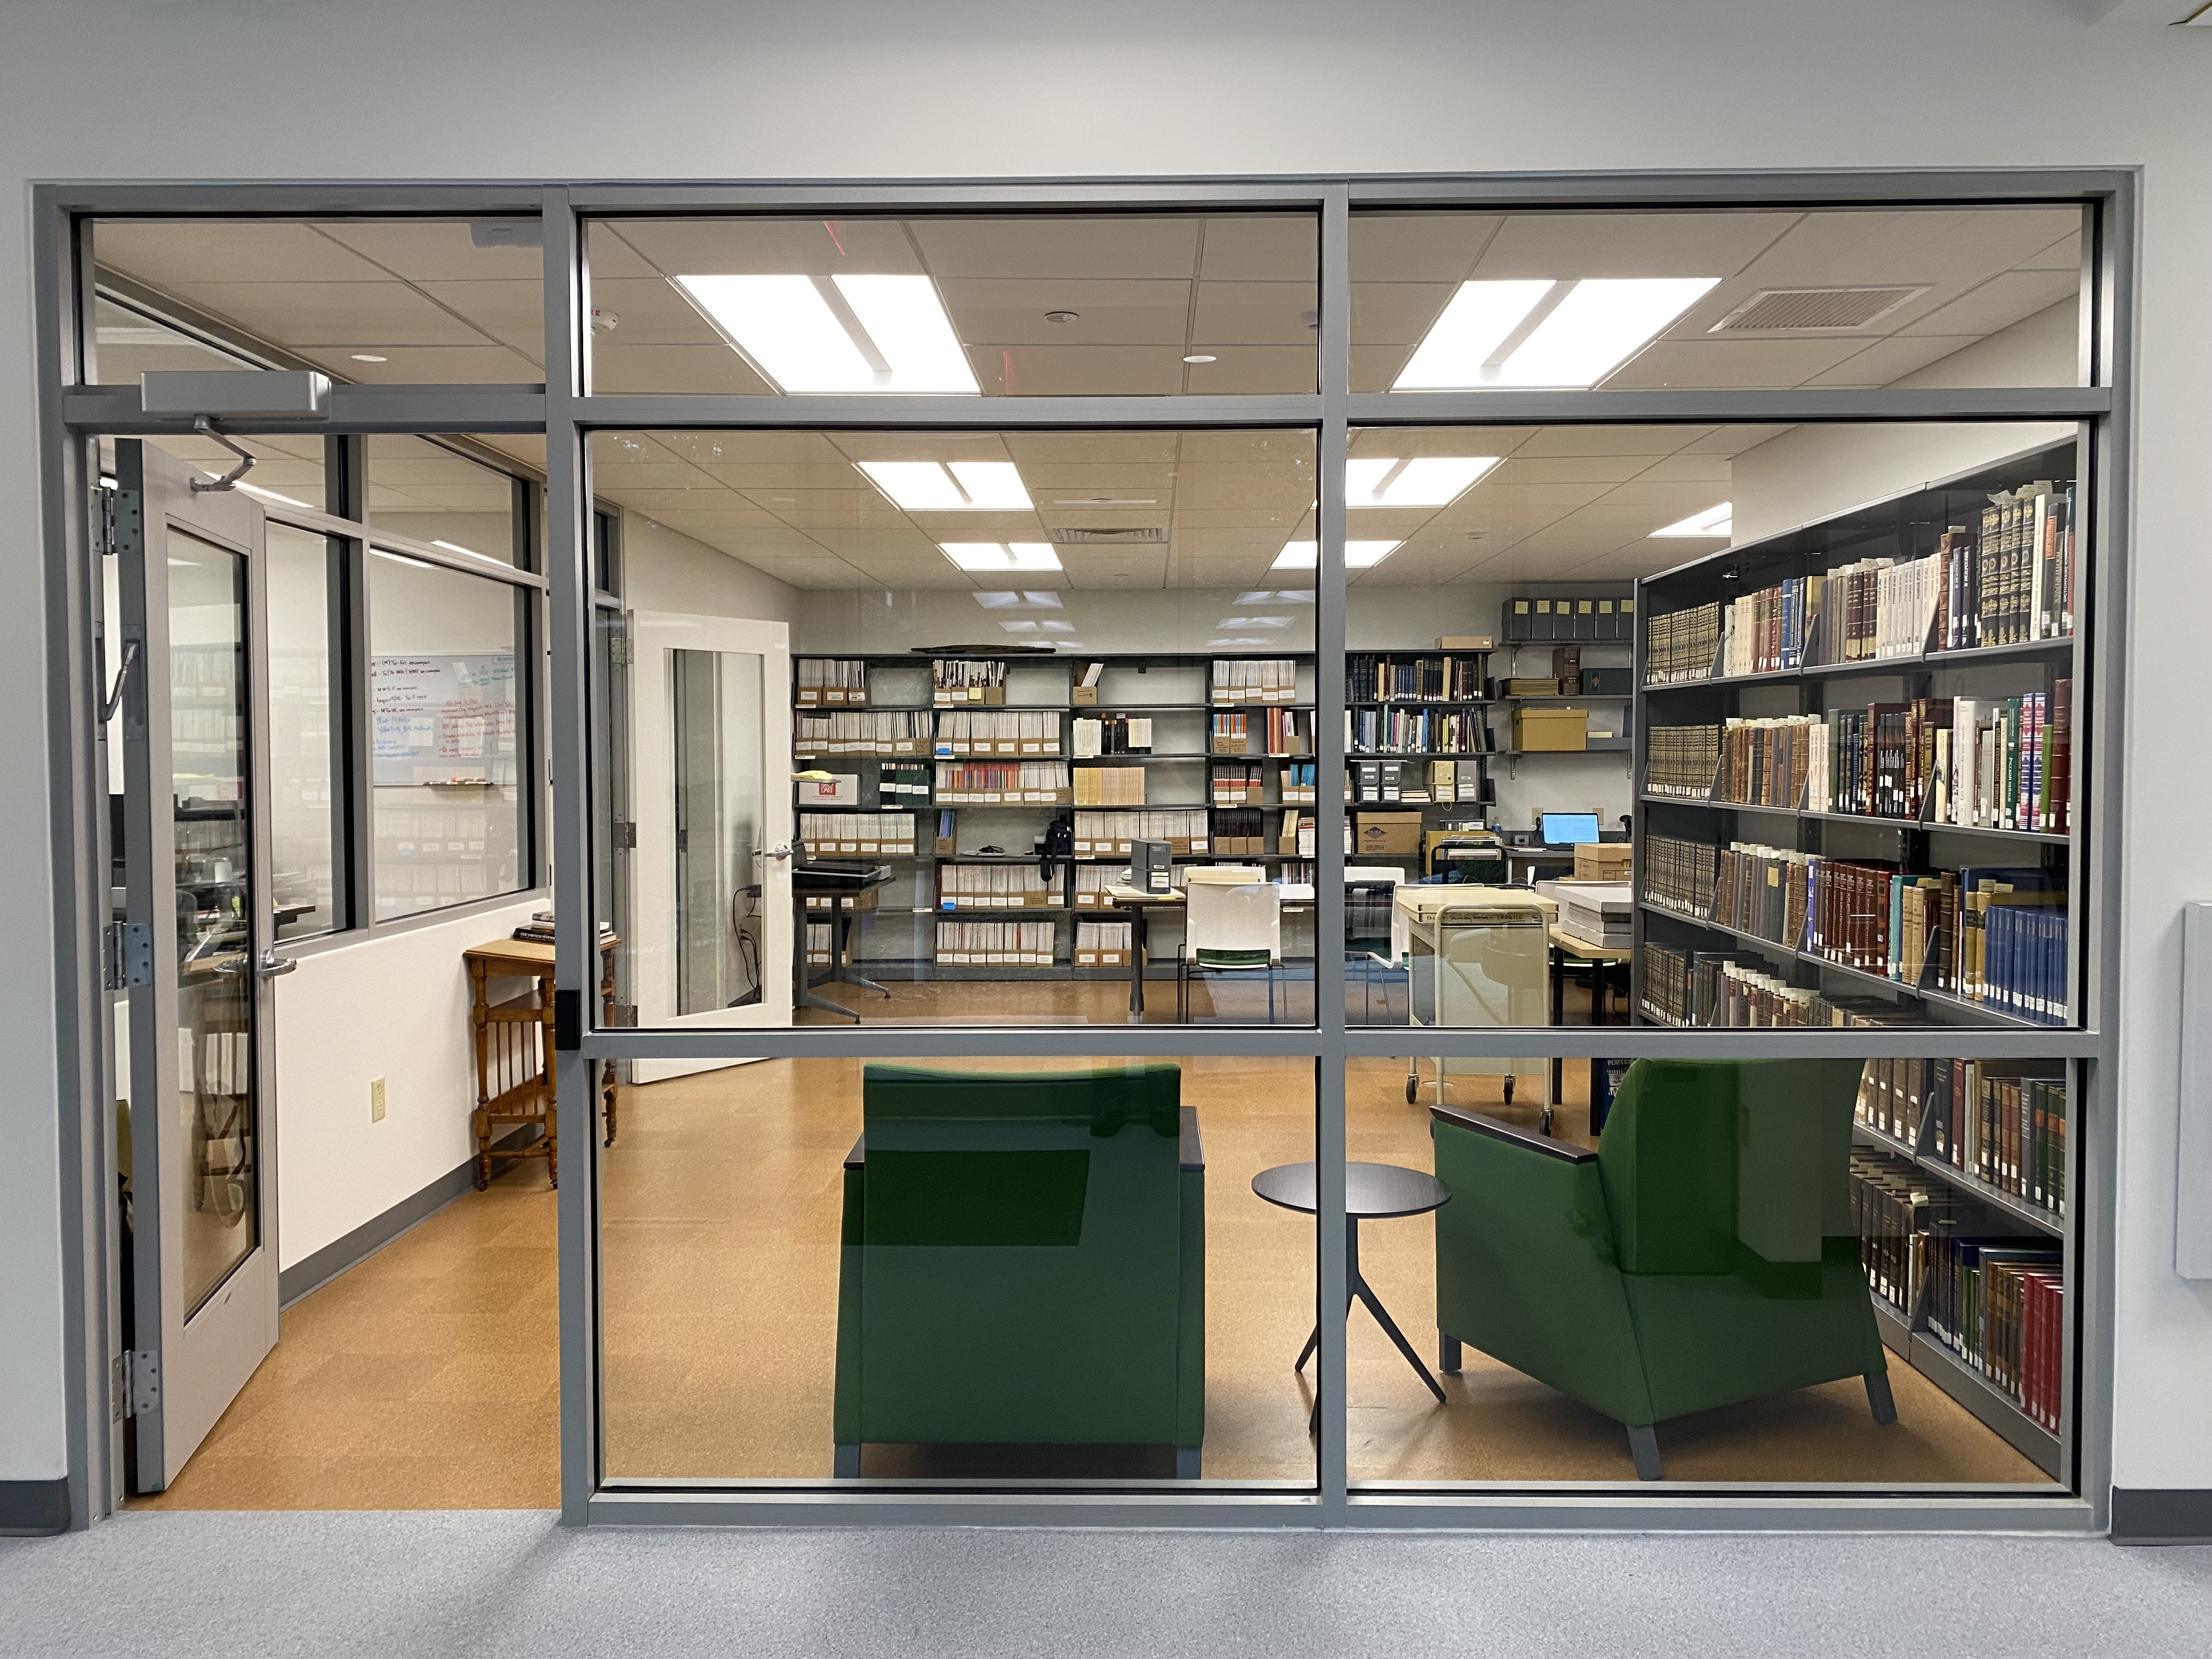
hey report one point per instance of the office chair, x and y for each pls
(1232, 924)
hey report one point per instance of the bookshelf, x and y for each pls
(1814, 735)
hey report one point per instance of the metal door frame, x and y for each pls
(564, 411)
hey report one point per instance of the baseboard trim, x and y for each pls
(2161, 1515)
(310, 1274)
(35, 1509)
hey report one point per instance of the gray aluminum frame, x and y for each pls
(565, 411)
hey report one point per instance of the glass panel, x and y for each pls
(127, 343)
(305, 810)
(407, 301)
(1053, 1271)
(1757, 297)
(287, 467)
(213, 816)
(1015, 658)
(1856, 784)
(719, 820)
(428, 493)
(443, 701)
(1098, 304)
(1768, 1260)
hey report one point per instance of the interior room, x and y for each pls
(1005, 727)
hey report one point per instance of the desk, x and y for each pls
(1372, 1192)
(1138, 904)
(825, 880)
(1566, 949)
(515, 1049)
(1522, 863)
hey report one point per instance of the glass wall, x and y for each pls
(1152, 305)
(940, 1270)
(306, 805)
(449, 816)
(430, 493)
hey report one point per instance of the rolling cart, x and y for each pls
(1477, 956)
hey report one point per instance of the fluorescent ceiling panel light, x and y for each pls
(953, 487)
(1002, 555)
(272, 496)
(1475, 324)
(1596, 327)
(1583, 330)
(844, 333)
(1045, 599)
(1719, 521)
(1358, 556)
(1426, 480)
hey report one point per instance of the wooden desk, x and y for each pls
(515, 1049)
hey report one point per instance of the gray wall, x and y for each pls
(673, 89)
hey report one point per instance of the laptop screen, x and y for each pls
(1567, 828)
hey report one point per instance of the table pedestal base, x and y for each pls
(1358, 1290)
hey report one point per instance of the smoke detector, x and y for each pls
(1816, 310)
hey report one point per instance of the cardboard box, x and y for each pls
(838, 789)
(1602, 860)
(1529, 687)
(1541, 730)
(1465, 641)
(1387, 834)
(1083, 697)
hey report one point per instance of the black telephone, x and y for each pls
(1059, 846)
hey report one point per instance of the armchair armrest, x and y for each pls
(858, 1157)
(1191, 1153)
(1511, 1134)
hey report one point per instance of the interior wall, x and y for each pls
(664, 569)
(396, 1007)
(504, 89)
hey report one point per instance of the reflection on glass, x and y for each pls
(431, 494)
(303, 807)
(949, 1269)
(1758, 297)
(1098, 304)
(213, 815)
(447, 807)
(718, 820)
(1814, 1270)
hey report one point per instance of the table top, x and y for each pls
(532, 955)
(1424, 901)
(1583, 948)
(1292, 892)
(1372, 1192)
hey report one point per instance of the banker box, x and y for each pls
(1601, 860)
(1535, 730)
(1393, 833)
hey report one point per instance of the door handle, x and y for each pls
(269, 966)
(783, 852)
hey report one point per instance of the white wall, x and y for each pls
(744, 89)
(666, 570)
(396, 1007)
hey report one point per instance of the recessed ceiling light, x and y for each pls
(369, 357)
(1714, 521)
(1425, 481)
(1002, 555)
(1201, 357)
(950, 487)
(842, 333)
(1358, 556)
(1062, 316)
(1562, 333)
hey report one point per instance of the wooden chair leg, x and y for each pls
(1643, 1447)
(553, 1148)
(483, 1126)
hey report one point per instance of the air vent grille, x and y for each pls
(1815, 310)
(1123, 537)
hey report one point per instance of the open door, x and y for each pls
(196, 948)
(710, 929)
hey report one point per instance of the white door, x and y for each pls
(197, 950)
(709, 930)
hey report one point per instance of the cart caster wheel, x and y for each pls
(1412, 1090)
(1508, 1088)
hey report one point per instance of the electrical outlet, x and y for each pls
(376, 1100)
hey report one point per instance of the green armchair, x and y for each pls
(1704, 1254)
(1023, 1261)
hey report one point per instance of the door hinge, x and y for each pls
(129, 955)
(618, 650)
(124, 515)
(138, 1383)
(625, 836)
(103, 520)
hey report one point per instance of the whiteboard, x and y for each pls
(442, 718)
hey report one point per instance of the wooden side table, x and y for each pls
(514, 1050)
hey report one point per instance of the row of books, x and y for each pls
(1255, 680)
(1681, 645)
(1993, 1120)
(1108, 833)
(994, 887)
(1238, 783)
(830, 681)
(997, 731)
(1296, 836)
(991, 783)
(966, 675)
(1680, 761)
(1109, 786)
(1415, 731)
(1110, 734)
(1681, 875)
(1372, 677)
(997, 944)
(825, 833)
(883, 731)
(1279, 731)
(1243, 831)
(1104, 943)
